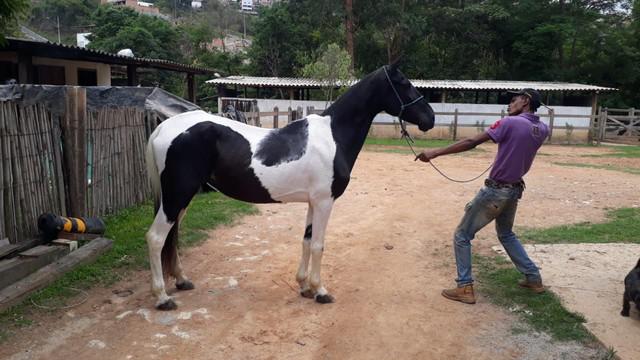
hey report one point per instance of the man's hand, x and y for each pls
(427, 155)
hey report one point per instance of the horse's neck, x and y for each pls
(351, 118)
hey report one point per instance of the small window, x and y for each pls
(8, 72)
(49, 75)
(87, 77)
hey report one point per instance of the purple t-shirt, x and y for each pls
(519, 138)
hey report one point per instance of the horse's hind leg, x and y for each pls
(162, 237)
(321, 213)
(301, 276)
(156, 237)
(182, 282)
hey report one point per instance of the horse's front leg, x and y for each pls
(301, 276)
(321, 213)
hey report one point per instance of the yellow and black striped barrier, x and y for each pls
(50, 225)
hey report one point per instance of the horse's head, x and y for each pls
(405, 101)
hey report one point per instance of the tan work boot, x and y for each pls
(535, 286)
(463, 294)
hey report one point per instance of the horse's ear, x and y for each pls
(395, 64)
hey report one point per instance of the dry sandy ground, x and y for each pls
(245, 305)
(589, 280)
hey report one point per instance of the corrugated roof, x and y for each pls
(271, 81)
(61, 51)
(418, 83)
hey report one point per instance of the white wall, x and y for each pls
(445, 120)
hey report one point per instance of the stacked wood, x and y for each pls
(19, 290)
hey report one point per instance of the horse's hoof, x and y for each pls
(624, 313)
(307, 293)
(185, 285)
(167, 305)
(324, 299)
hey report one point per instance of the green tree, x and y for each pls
(118, 28)
(333, 67)
(10, 12)
(288, 34)
(147, 36)
(70, 15)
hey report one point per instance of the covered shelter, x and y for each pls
(37, 62)
(443, 91)
(460, 105)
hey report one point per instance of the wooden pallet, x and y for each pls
(19, 290)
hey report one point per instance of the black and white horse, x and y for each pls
(309, 160)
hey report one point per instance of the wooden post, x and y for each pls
(275, 117)
(551, 120)
(289, 115)
(444, 96)
(592, 120)
(75, 152)
(298, 113)
(602, 125)
(191, 88)
(25, 68)
(132, 75)
(455, 124)
(632, 114)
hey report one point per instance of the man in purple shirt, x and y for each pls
(519, 136)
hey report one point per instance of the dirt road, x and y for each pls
(387, 256)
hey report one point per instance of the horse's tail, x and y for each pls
(170, 247)
(152, 170)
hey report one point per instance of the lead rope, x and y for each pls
(407, 137)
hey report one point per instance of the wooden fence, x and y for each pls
(618, 125)
(81, 163)
(453, 126)
(31, 176)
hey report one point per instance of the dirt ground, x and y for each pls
(388, 254)
(588, 278)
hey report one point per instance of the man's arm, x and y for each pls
(460, 146)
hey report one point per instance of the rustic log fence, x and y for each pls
(31, 164)
(80, 163)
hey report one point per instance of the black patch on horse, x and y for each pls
(209, 152)
(284, 145)
(307, 232)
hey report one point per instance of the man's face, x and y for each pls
(517, 104)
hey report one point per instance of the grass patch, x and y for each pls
(628, 170)
(620, 152)
(129, 252)
(544, 312)
(623, 226)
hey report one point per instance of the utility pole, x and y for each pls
(244, 27)
(58, 21)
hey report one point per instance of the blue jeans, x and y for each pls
(491, 204)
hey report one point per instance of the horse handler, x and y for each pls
(519, 136)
